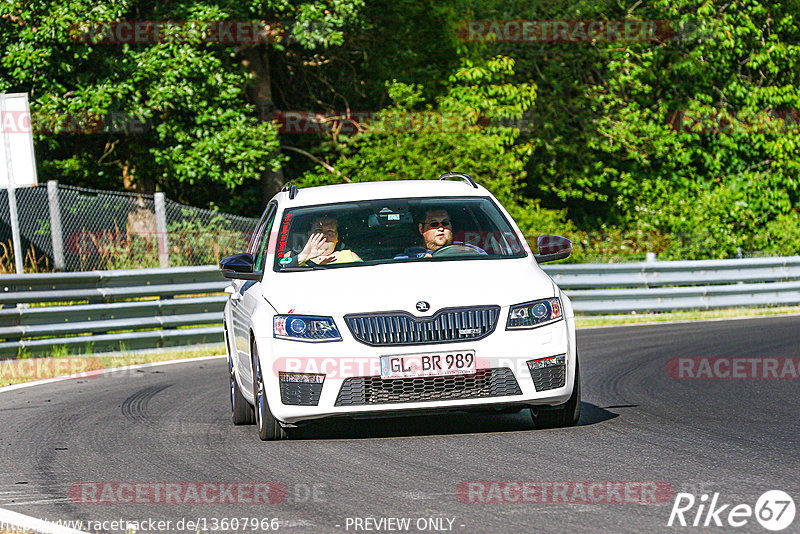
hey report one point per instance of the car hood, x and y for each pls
(399, 286)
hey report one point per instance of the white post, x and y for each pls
(161, 230)
(12, 196)
(55, 224)
(651, 256)
(15, 237)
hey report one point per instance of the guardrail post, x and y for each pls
(651, 256)
(55, 224)
(161, 230)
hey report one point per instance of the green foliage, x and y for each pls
(193, 242)
(150, 114)
(781, 236)
(110, 250)
(465, 130)
(610, 244)
(693, 137)
(712, 180)
(688, 145)
(715, 180)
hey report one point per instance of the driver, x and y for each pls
(436, 230)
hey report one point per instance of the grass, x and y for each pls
(60, 360)
(645, 318)
(27, 368)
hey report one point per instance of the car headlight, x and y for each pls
(305, 328)
(534, 314)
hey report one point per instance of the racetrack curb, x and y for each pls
(100, 372)
(14, 520)
(687, 321)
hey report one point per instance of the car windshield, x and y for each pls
(383, 231)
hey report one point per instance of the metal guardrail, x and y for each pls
(599, 288)
(149, 308)
(668, 273)
(110, 310)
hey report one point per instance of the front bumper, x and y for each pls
(351, 370)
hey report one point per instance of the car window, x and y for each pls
(264, 238)
(395, 230)
(255, 238)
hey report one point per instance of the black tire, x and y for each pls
(241, 411)
(564, 415)
(269, 429)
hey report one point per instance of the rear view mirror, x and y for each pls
(552, 248)
(239, 267)
(388, 217)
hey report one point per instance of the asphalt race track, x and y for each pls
(737, 437)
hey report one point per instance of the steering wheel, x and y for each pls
(459, 249)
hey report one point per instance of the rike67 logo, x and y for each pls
(774, 510)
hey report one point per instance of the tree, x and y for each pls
(692, 132)
(198, 110)
(469, 129)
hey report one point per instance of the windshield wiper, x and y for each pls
(303, 268)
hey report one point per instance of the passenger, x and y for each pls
(323, 246)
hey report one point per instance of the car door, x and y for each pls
(247, 292)
(239, 327)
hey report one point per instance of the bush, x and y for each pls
(782, 236)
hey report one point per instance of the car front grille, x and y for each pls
(300, 393)
(445, 326)
(361, 391)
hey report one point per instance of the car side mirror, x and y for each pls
(239, 267)
(552, 248)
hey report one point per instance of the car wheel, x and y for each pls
(269, 429)
(241, 411)
(564, 415)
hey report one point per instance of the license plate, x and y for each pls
(460, 362)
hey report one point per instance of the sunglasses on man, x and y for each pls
(436, 224)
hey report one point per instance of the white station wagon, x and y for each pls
(392, 298)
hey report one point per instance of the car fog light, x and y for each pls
(309, 378)
(550, 361)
